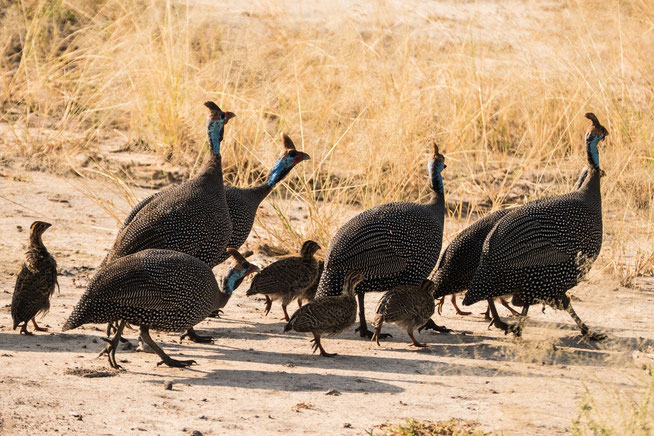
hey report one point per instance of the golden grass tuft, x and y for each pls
(412, 427)
(502, 87)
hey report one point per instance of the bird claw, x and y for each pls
(365, 333)
(431, 325)
(595, 336)
(174, 363)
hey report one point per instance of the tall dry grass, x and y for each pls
(364, 89)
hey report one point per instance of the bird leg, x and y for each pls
(317, 345)
(286, 317)
(193, 336)
(268, 306)
(111, 327)
(414, 342)
(585, 331)
(145, 335)
(375, 336)
(516, 329)
(458, 311)
(363, 326)
(439, 305)
(508, 306)
(215, 314)
(431, 325)
(23, 330)
(37, 328)
(486, 314)
(112, 345)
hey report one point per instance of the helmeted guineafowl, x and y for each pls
(328, 315)
(391, 245)
(191, 218)
(35, 282)
(287, 278)
(406, 306)
(539, 251)
(160, 289)
(243, 203)
(460, 260)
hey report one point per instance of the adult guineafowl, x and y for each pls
(539, 251)
(460, 259)
(160, 289)
(191, 218)
(392, 244)
(35, 282)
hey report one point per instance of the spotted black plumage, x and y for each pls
(406, 306)
(542, 249)
(192, 217)
(391, 245)
(161, 289)
(35, 282)
(287, 278)
(328, 315)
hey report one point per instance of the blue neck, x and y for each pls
(231, 284)
(434, 168)
(591, 149)
(215, 129)
(278, 171)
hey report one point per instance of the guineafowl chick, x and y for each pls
(35, 283)
(287, 278)
(406, 306)
(160, 289)
(310, 293)
(328, 315)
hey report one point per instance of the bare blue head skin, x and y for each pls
(286, 162)
(216, 126)
(435, 166)
(241, 269)
(594, 135)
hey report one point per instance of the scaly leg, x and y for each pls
(286, 317)
(497, 321)
(585, 331)
(414, 342)
(112, 344)
(458, 311)
(439, 305)
(37, 328)
(363, 326)
(318, 345)
(23, 330)
(375, 336)
(193, 336)
(268, 306)
(508, 306)
(145, 335)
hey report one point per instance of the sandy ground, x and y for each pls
(256, 377)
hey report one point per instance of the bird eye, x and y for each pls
(292, 153)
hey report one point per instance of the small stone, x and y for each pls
(76, 415)
(196, 433)
(333, 392)
(347, 425)
(168, 385)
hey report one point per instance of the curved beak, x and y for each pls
(252, 269)
(229, 116)
(300, 157)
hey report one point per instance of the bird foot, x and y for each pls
(41, 329)
(215, 314)
(365, 333)
(431, 325)
(418, 344)
(194, 337)
(462, 313)
(594, 336)
(174, 363)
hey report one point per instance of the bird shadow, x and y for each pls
(289, 382)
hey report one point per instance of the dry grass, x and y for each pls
(413, 427)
